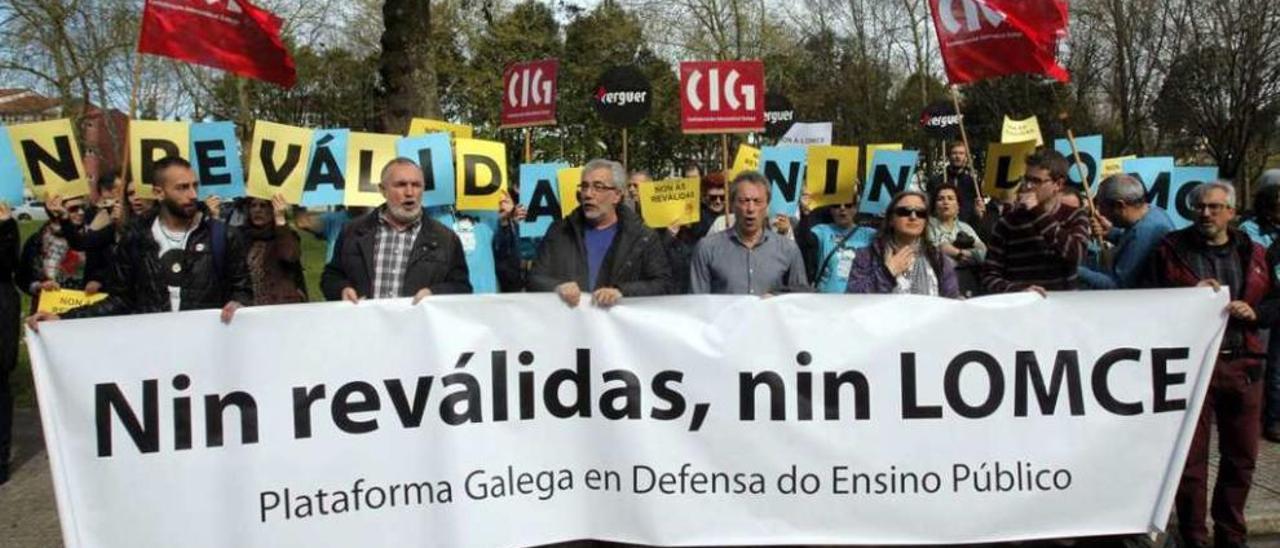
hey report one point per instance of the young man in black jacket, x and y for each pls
(176, 257)
(601, 248)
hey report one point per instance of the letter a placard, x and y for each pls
(529, 94)
(722, 96)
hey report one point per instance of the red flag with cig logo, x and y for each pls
(983, 39)
(232, 35)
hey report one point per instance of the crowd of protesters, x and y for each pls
(162, 249)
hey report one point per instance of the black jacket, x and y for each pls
(436, 262)
(96, 267)
(635, 264)
(138, 281)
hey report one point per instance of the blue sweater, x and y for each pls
(1132, 246)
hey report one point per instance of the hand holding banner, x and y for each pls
(670, 202)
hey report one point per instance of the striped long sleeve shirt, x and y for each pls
(1036, 247)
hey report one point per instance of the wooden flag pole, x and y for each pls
(1075, 154)
(968, 152)
(528, 145)
(724, 152)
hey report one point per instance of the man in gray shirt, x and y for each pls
(748, 259)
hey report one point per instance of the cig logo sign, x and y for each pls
(734, 95)
(529, 87)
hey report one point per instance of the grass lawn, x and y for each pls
(24, 392)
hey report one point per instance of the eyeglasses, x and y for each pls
(1211, 208)
(595, 186)
(907, 212)
(1033, 182)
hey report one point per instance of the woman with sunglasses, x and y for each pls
(902, 260)
(955, 238)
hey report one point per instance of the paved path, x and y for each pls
(29, 515)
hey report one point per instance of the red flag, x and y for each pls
(232, 35)
(983, 39)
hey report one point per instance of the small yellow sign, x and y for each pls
(63, 300)
(671, 202)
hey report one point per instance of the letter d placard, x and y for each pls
(481, 168)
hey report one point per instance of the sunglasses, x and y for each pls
(715, 197)
(850, 205)
(906, 212)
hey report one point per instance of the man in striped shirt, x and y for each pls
(1039, 243)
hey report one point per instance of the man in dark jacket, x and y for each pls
(396, 250)
(1211, 253)
(601, 248)
(8, 331)
(958, 173)
(175, 257)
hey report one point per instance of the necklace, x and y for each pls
(169, 235)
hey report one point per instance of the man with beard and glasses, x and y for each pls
(395, 250)
(602, 248)
(175, 257)
(1211, 253)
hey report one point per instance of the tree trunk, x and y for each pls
(408, 78)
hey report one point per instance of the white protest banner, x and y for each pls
(511, 420)
(804, 133)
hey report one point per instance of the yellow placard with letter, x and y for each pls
(567, 181)
(63, 300)
(1016, 131)
(481, 168)
(367, 154)
(832, 175)
(278, 161)
(1113, 166)
(423, 126)
(871, 156)
(1006, 164)
(50, 158)
(747, 159)
(671, 202)
(151, 141)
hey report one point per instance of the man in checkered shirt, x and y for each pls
(394, 250)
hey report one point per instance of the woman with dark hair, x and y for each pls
(902, 260)
(274, 253)
(955, 238)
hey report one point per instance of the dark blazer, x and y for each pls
(436, 262)
(636, 263)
